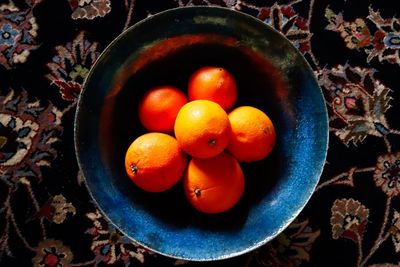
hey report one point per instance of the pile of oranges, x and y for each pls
(200, 139)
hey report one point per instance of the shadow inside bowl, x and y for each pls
(259, 85)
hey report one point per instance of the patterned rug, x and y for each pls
(46, 50)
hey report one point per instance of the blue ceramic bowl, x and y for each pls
(271, 75)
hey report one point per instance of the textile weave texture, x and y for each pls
(47, 48)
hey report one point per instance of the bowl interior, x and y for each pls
(271, 75)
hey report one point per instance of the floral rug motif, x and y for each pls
(47, 48)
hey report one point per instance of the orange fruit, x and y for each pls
(214, 84)
(159, 106)
(202, 128)
(253, 134)
(215, 184)
(155, 162)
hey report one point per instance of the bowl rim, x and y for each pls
(106, 50)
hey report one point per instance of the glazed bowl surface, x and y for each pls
(271, 75)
